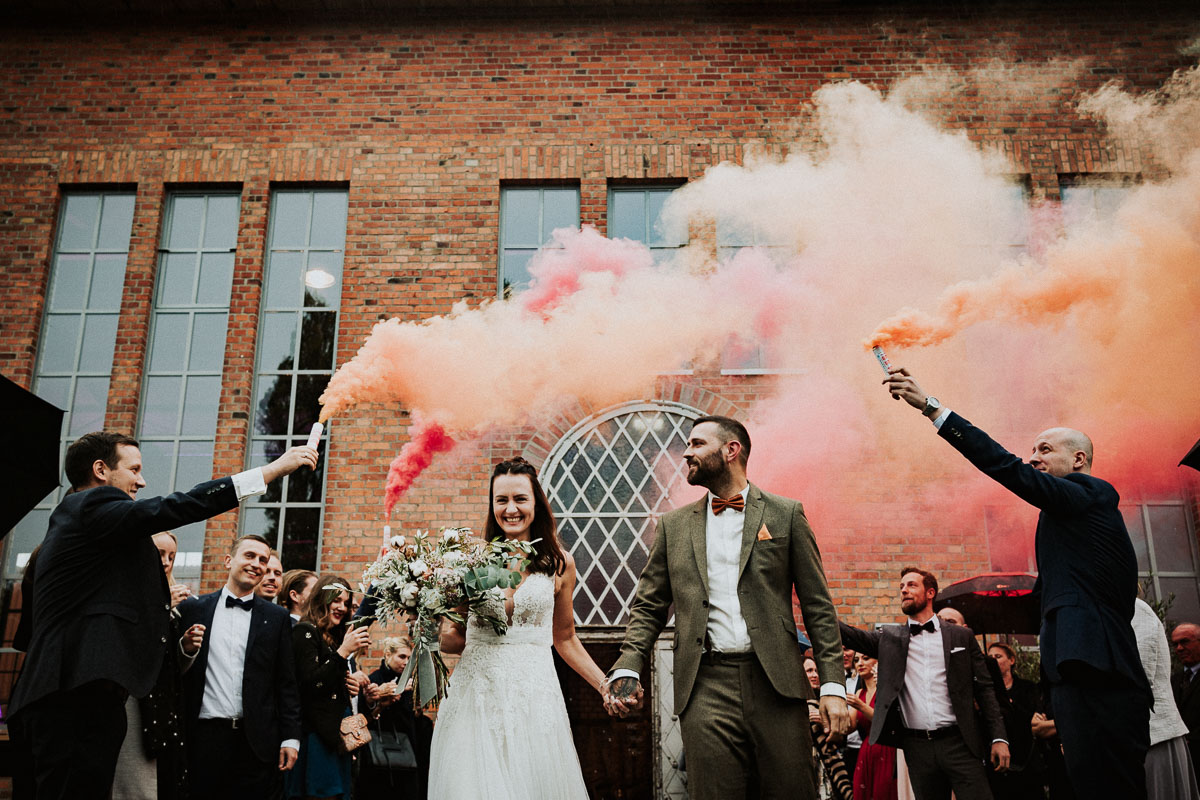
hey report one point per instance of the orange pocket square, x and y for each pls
(764, 535)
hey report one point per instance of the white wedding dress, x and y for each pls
(502, 731)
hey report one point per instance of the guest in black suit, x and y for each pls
(101, 603)
(1087, 576)
(243, 712)
(1185, 638)
(294, 590)
(324, 646)
(931, 678)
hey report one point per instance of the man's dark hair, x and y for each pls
(731, 429)
(248, 537)
(90, 448)
(927, 577)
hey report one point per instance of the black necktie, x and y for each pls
(914, 628)
(233, 602)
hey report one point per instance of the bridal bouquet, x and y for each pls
(434, 577)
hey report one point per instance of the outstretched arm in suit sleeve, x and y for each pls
(866, 642)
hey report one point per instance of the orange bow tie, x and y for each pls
(737, 503)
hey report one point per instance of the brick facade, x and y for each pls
(424, 115)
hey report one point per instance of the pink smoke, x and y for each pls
(559, 269)
(428, 438)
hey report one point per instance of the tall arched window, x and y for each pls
(609, 479)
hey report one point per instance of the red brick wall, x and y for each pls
(423, 117)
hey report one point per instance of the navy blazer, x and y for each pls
(1087, 570)
(967, 681)
(270, 702)
(101, 600)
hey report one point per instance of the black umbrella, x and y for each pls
(995, 602)
(33, 433)
(1192, 459)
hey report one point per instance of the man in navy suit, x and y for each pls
(1087, 577)
(240, 695)
(100, 622)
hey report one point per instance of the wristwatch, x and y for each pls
(932, 406)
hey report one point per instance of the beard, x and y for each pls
(707, 470)
(913, 607)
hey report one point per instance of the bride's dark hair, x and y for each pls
(548, 555)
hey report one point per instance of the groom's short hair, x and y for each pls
(731, 429)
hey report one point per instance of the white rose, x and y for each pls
(418, 568)
(408, 595)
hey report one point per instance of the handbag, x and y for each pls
(354, 732)
(391, 750)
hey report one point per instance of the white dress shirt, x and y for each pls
(925, 701)
(226, 660)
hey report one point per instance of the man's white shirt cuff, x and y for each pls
(292, 743)
(833, 689)
(624, 673)
(249, 483)
(941, 418)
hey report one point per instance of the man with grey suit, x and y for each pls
(932, 677)
(729, 564)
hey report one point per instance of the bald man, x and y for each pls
(1087, 578)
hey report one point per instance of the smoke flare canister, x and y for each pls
(314, 436)
(883, 359)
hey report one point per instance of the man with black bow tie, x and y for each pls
(243, 707)
(931, 678)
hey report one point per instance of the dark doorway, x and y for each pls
(617, 755)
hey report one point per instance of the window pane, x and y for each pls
(272, 407)
(1172, 548)
(99, 339)
(516, 269)
(278, 345)
(521, 218)
(300, 530)
(208, 343)
(308, 389)
(116, 222)
(316, 340)
(561, 210)
(661, 235)
(27, 535)
(285, 283)
(160, 406)
(200, 405)
(158, 458)
(87, 412)
(216, 279)
(168, 345)
(77, 230)
(70, 282)
(220, 226)
(1186, 605)
(176, 283)
(263, 453)
(186, 215)
(289, 220)
(108, 278)
(304, 485)
(329, 220)
(263, 521)
(323, 267)
(59, 342)
(195, 465)
(627, 215)
(1137, 535)
(56, 391)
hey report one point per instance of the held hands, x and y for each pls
(1042, 728)
(191, 640)
(356, 639)
(1000, 757)
(902, 386)
(835, 716)
(289, 462)
(621, 696)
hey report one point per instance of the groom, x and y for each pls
(728, 564)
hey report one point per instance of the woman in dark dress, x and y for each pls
(323, 645)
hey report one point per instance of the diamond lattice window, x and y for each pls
(610, 478)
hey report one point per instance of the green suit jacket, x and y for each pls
(769, 569)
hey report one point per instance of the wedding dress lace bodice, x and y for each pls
(532, 617)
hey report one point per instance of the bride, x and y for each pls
(502, 731)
